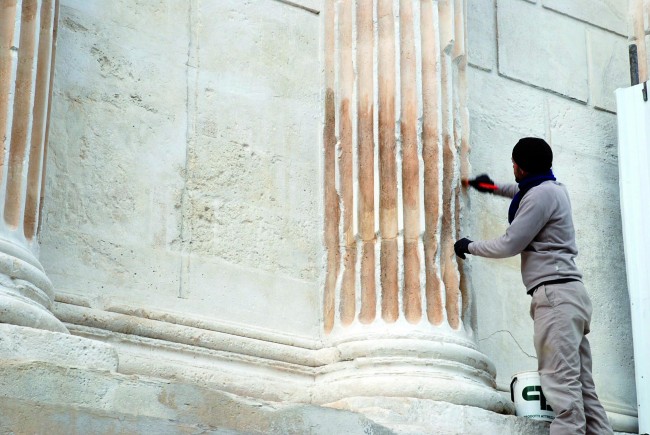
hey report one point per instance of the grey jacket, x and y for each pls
(542, 231)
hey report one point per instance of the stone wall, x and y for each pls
(549, 68)
(184, 159)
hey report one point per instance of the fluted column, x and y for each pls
(27, 41)
(395, 148)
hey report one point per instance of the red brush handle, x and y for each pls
(487, 186)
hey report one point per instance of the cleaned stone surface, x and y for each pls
(182, 173)
(252, 198)
(481, 33)
(542, 48)
(609, 14)
(510, 108)
(609, 67)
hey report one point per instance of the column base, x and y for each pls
(451, 372)
(26, 293)
(21, 311)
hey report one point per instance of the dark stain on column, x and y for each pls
(387, 163)
(331, 199)
(332, 212)
(366, 157)
(448, 264)
(431, 157)
(346, 84)
(410, 165)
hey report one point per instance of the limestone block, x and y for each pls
(109, 271)
(481, 33)
(152, 20)
(542, 48)
(257, 140)
(109, 119)
(505, 111)
(609, 67)
(288, 304)
(171, 152)
(20, 344)
(577, 132)
(608, 14)
(262, 215)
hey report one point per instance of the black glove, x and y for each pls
(483, 183)
(462, 247)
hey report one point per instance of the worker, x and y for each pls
(541, 230)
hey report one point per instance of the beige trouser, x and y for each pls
(561, 313)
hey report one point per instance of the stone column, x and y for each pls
(396, 302)
(27, 40)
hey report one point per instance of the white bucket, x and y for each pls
(526, 392)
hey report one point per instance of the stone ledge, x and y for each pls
(80, 401)
(418, 416)
(21, 343)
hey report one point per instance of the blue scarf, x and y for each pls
(524, 186)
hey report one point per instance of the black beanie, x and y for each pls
(533, 155)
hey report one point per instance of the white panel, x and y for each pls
(634, 182)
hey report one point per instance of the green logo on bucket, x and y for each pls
(530, 394)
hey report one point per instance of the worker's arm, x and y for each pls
(534, 212)
(509, 190)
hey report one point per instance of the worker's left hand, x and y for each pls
(462, 247)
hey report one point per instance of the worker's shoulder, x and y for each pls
(548, 189)
(549, 186)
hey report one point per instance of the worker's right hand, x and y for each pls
(483, 183)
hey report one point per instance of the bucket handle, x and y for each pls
(512, 391)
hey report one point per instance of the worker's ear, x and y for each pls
(521, 174)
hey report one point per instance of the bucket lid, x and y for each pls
(527, 372)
